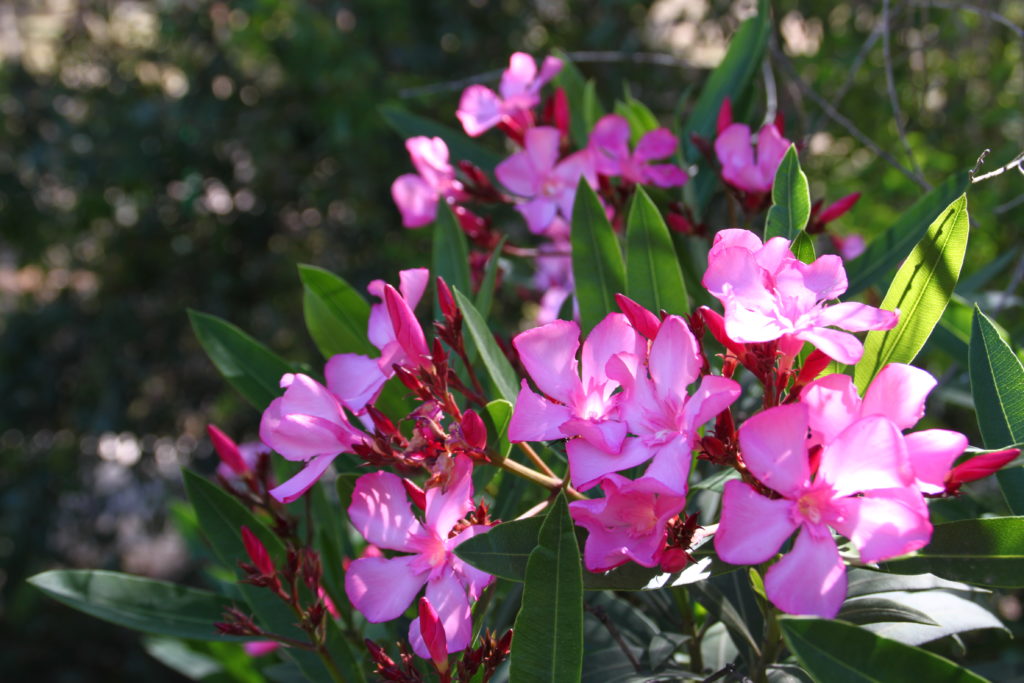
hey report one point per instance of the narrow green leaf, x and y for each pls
(547, 644)
(949, 613)
(451, 254)
(592, 109)
(574, 84)
(888, 249)
(921, 290)
(653, 276)
(494, 360)
(842, 653)
(641, 119)
(986, 552)
(876, 608)
(250, 367)
(336, 314)
(598, 271)
(803, 247)
(499, 414)
(791, 199)
(485, 295)
(138, 603)
(460, 145)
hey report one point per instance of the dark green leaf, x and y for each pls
(861, 582)
(485, 295)
(494, 360)
(949, 614)
(336, 314)
(876, 608)
(653, 276)
(499, 414)
(598, 271)
(250, 367)
(451, 254)
(641, 119)
(803, 247)
(921, 290)
(460, 146)
(504, 550)
(719, 605)
(572, 81)
(791, 199)
(842, 653)
(547, 644)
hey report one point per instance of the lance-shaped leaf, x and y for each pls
(876, 608)
(997, 384)
(653, 276)
(597, 268)
(460, 146)
(450, 253)
(250, 367)
(547, 644)
(841, 653)
(791, 199)
(336, 314)
(948, 613)
(803, 247)
(494, 360)
(575, 86)
(921, 290)
(485, 295)
(137, 602)
(986, 552)
(892, 246)
(640, 118)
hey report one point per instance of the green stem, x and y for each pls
(682, 599)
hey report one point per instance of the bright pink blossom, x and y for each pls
(610, 143)
(769, 294)
(571, 406)
(658, 410)
(898, 393)
(549, 185)
(862, 488)
(741, 167)
(417, 194)
(629, 523)
(383, 588)
(481, 109)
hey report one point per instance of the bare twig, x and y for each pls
(613, 631)
(771, 92)
(890, 86)
(1016, 163)
(1012, 204)
(978, 163)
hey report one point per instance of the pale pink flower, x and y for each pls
(863, 488)
(480, 108)
(629, 523)
(571, 406)
(658, 410)
(549, 185)
(741, 167)
(417, 194)
(898, 393)
(769, 294)
(609, 142)
(383, 588)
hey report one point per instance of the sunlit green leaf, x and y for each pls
(336, 314)
(791, 199)
(653, 276)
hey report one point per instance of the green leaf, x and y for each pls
(948, 613)
(803, 247)
(842, 653)
(485, 295)
(597, 267)
(921, 290)
(888, 249)
(547, 644)
(641, 119)
(460, 145)
(791, 199)
(494, 360)
(592, 109)
(137, 602)
(653, 276)
(877, 608)
(498, 417)
(250, 367)
(729, 79)
(336, 314)
(574, 84)
(986, 552)
(451, 254)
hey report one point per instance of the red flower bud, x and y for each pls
(445, 299)
(724, 116)
(416, 494)
(979, 467)
(716, 325)
(473, 429)
(838, 208)
(674, 560)
(433, 634)
(814, 365)
(227, 450)
(642, 320)
(258, 553)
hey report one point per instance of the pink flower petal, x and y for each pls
(898, 392)
(538, 213)
(841, 346)
(810, 579)
(735, 271)
(734, 237)
(674, 359)
(516, 79)
(606, 434)
(885, 524)
(293, 489)
(415, 199)
(671, 464)
(542, 146)
(519, 175)
(774, 447)
(535, 418)
(447, 505)
(932, 453)
(550, 68)
(474, 579)
(826, 277)
(752, 528)
(588, 463)
(479, 110)
(382, 589)
(733, 148)
(833, 405)
(412, 283)
(549, 355)
(610, 337)
(354, 379)
(430, 157)
(856, 317)
(771, 147)
(610, 142)
(448, 598)
(380, 511)
(867, 455)
(656, 144)
(714, 395)
(664, 175)
(307, 421)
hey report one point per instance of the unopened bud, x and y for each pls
(227, 450)
(416, 494)
(642, 320)
(433, 634)
(473, 429)
(674, 560)
(258, 553)
(445, 300)
(724, 116)
(979, 467)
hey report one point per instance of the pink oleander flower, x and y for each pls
(741, 168)
(417, 194)
(548, 184)
(481, 109)
(898, 393)
(629, 523)
(862, 488)
(307, 423)
(383, 588)
(236, 460)
(356, 379)
(553, 275)
(571, 406)
(658, 410)
(849, 246)
(609, 142)
(769, 294)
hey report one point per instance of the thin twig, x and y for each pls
(532, 455)
(890, 86)
(974, 9)
(1012, 204)
(602, 617)
(978, 163)
(851, 74)
(771, 92)
(1017, 162)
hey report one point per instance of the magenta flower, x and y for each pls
(862, 488)
(571, 406)
(769, 294)
(548, 184)
(659, 411)
(741, 167)
(417, 194)
(610, 143)
(307, 424)
(898, 393)
(236, 460)
(629, 523)
(356, 379)
(383, 588)
(481, 109)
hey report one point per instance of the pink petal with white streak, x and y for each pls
(382, 589)
(380, 511)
